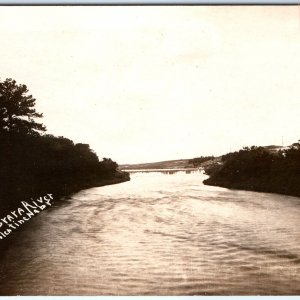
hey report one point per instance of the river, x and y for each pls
(158, 234)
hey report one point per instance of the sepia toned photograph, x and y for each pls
(149, 150)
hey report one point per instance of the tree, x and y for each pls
(107, 165)
(17, 112)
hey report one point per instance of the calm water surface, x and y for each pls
(159, 234)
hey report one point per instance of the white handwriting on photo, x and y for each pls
(17, 217)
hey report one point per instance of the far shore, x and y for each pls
(148, 170)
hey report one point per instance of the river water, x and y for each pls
(159, 234)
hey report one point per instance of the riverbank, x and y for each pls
(59, 190)
(256, 169)
(69, 188)
(266, 185)
(34, 165)
(10, 195)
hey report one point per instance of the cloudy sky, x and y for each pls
(143, 84)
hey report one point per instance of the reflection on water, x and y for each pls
(159, 235)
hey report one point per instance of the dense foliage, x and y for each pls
(32, 163)
(258, 169)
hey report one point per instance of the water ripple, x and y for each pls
(159, 235)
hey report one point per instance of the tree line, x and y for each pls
(33, 162)
(257, 168)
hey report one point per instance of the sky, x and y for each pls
(153, 83)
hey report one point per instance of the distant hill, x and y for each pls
(184, 163)
(169, 164)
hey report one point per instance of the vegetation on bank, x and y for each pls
(258, 169)
(33, 163)
(198, 161)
